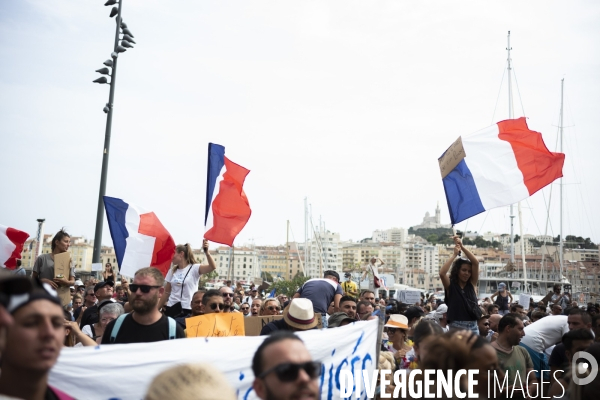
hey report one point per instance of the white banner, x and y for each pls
(408, 296)
(124, 371)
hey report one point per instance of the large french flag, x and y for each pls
(496, 166)
(139, 238)
(11, 245)
(227, 207)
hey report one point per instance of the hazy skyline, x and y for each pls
(346, 103)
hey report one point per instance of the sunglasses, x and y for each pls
(245, 308)
(214, 306)
(144, 288)
(288, 372)
(273, 308)
(227, 294)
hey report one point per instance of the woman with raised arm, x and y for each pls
(503, 299)
(463, 310)
(182, 280)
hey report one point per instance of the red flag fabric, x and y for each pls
(11, 246)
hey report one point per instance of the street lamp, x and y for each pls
(126, 41)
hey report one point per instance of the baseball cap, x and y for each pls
(336, 319)
(100, 285)
(441, 310)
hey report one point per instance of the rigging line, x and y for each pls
(532, 215)
(518, 91)
(499, 91)
(486, 215)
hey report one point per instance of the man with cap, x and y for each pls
(298, 316)
(339, 319)
(483, 323)
(104, 292)
(321, 292)
(34, 335)
(441, 316)
(349, 287)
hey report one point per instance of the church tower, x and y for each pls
(438, 217)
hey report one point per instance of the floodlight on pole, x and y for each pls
(128, 38)
(108, 109)
(103, 71)
(125, 43)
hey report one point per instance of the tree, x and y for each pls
(207, 277)
(289, 287)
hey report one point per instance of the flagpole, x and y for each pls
(510, 116)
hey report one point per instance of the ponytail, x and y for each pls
(187, 253)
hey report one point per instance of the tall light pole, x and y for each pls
(126, 41)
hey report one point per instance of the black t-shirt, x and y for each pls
(273, 326)
(456, 301)
(133, 332)
(558, 358)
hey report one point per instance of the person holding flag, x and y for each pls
(182, 279)
(463, 311)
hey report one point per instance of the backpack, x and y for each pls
(119, 322)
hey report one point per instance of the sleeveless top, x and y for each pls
(501, 302)
(457, 309)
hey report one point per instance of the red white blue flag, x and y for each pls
(11, 245)
(139, 238)
(496, 166)
(227, 207)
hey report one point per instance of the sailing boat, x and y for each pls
(533, 278)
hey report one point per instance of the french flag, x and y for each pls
(11, 246)
(496, 166)
(139, 238)
(227, 207)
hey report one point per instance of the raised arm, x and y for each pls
(446, 267)
(205, 269)
(473, 259)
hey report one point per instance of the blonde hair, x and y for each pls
(186, 249)
(190, 382)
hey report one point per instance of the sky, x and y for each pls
(346, 103)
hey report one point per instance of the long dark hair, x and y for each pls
(59, 236)
(456, 267)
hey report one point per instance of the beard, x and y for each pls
(143, 306)
(271, 395)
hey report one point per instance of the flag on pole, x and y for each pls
(272, 294)
(11, 245)
(227, 207)
(139, 238)
(496, 166)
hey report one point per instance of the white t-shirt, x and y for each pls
(190, 285)
(545, 332)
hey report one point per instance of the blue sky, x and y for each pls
(348, 103)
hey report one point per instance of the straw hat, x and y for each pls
(300, 314)
(397, 321)
(190, 382)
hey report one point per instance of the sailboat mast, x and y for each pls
(510, 116)
(561, 241)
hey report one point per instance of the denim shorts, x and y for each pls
(466, 325)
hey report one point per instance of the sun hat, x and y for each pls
(398, 321)
(300, 314)
(335, 320)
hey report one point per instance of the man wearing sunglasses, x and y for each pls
(145, 323)
(284, 370)
(213, 302)
(227, 294)
(245, 307)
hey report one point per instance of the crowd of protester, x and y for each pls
(496, 336)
